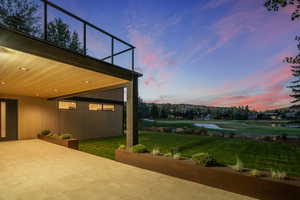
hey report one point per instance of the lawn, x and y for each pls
(242, 126)
(255, 155)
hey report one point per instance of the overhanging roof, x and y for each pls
(32, 67)
(27, 44)
(29, 75)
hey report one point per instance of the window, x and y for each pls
(105, 107)
(66, 105)
(95, 107)
(109, 107)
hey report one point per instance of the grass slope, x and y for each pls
(255, 155)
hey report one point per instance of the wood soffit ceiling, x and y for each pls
(29, 75)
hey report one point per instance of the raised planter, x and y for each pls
(70, 143)
(219, 177)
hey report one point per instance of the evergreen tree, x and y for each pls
(295, 84)
(75, 44)
(164, 112)
(275, 5)
(60, 34)
(143, 109)
(20, 15)
(154, 111)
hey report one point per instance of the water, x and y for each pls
(213, 126)
(149, 120)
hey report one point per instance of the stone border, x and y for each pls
(218, 177)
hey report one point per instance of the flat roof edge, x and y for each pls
(32, 45)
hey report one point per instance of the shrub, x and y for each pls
(238, 166)
(122, 146)
(255, 172)
(155, 151)
(139, 148)
(200, 131)
(174, 151)
(45, 132)
(177, 156)
(169, 154)
(204, 159)
(55, 135)
(276, 174)
(66, 136)
(189, 130)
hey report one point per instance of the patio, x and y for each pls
(34, 169)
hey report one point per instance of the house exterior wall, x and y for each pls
(115, 94)
(37, 114)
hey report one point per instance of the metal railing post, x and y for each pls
(84, 38)
(112, 50)
(132, 59)
(45, 20)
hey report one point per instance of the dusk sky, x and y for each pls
(204, 52)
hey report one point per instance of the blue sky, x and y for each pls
(206, 52)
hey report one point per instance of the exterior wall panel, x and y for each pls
(36, 114)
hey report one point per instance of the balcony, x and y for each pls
(93, 42)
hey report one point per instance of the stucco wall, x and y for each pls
(36, 114)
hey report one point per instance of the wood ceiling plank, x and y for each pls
(44, 76)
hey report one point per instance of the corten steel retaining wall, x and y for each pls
(70, 143)
(215, 177)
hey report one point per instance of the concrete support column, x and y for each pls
(132, 121)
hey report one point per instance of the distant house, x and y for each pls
(208, 117)
(291, 115)
(171, 116)
(272, 115)
(253, 116)
(179, 117)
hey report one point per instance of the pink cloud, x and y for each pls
(274, 97)
(274, 94)
(262, 27)
(161, 99)
(157, 64)
(149, 80)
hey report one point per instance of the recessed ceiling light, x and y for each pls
(86, 81)
(23, 69)
(55, 90)
(2, 83)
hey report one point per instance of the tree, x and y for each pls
(60, 34)
(143, 109)
(75, 44)
(295, 84)
(275, 5)
(20, 15)
(154, 111)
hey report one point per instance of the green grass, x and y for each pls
(255, 155)
(102, 147)
(242, 126)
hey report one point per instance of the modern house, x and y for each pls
(44, 86)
